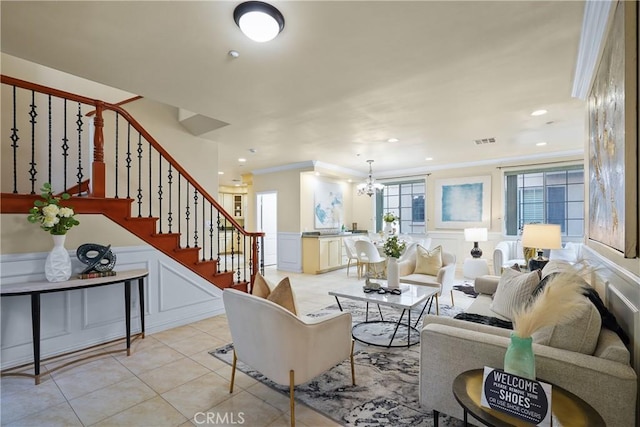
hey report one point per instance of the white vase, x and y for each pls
(388, 228)
(57, 267)
(393, 274)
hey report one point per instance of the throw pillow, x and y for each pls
(513, 291)
(580, 335)
(282, 295)
(428, 261)
(260, 287)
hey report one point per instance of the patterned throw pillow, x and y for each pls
(514, 291)
(428, 261)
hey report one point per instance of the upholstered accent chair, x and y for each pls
(507, 253)
(442, 279)
(285, 348)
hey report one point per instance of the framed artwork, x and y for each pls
(328, 205)
(463, 202)
(613, 133)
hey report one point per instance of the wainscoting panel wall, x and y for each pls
(77, 319)
(622, 297)
(290, 252)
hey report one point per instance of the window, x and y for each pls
(407, 200)
(551, 196)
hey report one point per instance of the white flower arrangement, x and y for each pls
(389, 217)
(52, 217)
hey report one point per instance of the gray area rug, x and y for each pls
(386, 390)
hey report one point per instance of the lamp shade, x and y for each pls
(475, 234)
(542, 236)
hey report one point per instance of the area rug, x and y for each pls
(386, 390)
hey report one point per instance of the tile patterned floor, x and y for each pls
(169, 380)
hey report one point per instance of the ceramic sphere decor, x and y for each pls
(97, 257)
(56, 219)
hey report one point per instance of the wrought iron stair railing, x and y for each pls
(59, 137)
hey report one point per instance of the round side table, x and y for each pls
(474, 267)
(567, 408)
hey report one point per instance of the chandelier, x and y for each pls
(370, 186)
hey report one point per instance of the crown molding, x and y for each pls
(309, 164)
(595, 22)
(504, 161)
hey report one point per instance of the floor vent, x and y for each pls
(485, 141)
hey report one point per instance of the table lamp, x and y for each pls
(475, 235)
(541, 236)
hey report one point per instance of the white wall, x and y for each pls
(77, 319)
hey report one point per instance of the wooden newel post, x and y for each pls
(254, 256)
(98, 178)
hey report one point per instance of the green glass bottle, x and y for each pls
(519, 358)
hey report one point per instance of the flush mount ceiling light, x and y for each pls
(370, 186)
(259, 21)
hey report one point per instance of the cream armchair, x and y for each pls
(444, 280)
(507, 253)
(283, 347)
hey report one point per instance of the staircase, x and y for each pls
(130, 179)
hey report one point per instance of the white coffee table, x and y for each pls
(411, 297)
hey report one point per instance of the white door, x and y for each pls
(268, 223)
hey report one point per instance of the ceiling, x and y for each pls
(340, 80)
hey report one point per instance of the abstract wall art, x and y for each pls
(328, 205)
(613, 143)
(463, 202)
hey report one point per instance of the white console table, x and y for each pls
(34, 289)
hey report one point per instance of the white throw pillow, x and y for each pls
(513, 291)
(580, 335)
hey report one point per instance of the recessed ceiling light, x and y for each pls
(393, 140)
(242, 160)
(220, 173)
(234, 53)
(539, 113)
(429, 159)
(540, 144)
(253, 150)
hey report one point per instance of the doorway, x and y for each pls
(267, 209)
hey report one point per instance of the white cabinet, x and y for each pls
(321, 254)
(234, 204)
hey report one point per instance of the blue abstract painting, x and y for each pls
(462, 202)
(328, 205)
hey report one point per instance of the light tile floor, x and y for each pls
(170, 379)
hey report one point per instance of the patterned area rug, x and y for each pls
(386, 393)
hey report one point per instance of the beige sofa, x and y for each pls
(605, 379)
